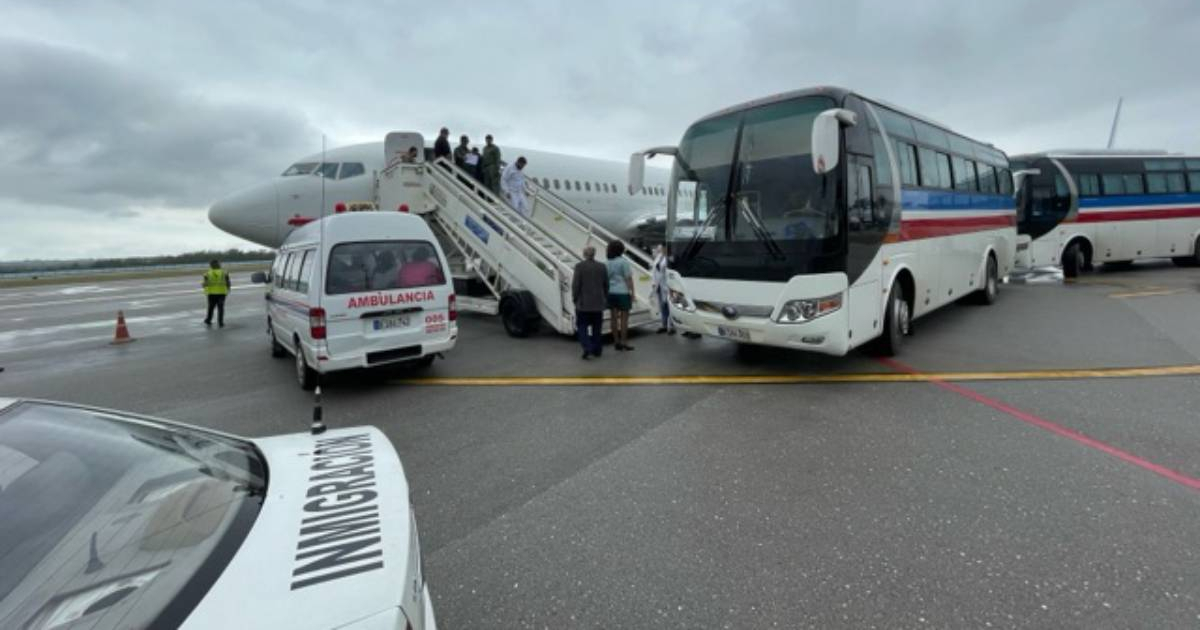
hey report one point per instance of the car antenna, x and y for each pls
(318, 427)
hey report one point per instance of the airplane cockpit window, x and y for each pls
(351, 169)
(328, 170)
(300, 168)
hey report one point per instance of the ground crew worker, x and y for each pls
(441, 146)
(490, 165)
(461, 151)
(216, 286)
(513, 184)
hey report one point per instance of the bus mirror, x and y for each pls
(826, 138)
(258, 277)
(637, 171)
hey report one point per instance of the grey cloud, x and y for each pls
(84, 132)
(147, 104)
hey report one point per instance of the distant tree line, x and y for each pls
(186, 258)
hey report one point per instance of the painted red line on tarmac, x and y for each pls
(1057, 429)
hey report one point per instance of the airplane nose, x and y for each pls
(251, 214)
(220, 214)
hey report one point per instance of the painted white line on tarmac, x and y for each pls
(119, 298)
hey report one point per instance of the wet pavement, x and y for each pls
(1047, 502)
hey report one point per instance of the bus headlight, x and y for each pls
(679, 301)
(808, 309)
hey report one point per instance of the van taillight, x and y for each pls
(453, 306)
(316, 322)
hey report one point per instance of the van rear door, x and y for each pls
(385, 298)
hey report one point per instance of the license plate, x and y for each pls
(389, 323)
(733, 332)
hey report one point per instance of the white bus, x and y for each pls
(1078, 208)
(821, 219)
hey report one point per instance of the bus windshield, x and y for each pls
(747, 204)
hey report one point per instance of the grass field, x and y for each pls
(102, 276)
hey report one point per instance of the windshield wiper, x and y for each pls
(708, 221)
(760, 230)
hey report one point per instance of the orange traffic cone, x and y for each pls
(122, 335)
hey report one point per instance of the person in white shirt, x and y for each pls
(658, 272)
(512, 182)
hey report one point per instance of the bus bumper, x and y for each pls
(748, 312)
(826, 335)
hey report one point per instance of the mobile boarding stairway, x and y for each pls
(526, 264)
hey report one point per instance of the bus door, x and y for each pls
(865, 228)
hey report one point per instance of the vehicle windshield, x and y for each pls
(747, 204)
(104, 520)
(300, 168)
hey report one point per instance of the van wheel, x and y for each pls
(306, 377)
(991, 284)
(277, 349)
(897, 323)
(518, 311)
(1073, 261)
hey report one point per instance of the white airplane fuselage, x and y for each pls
(599, 188)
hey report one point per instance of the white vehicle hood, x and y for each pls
(333, 544)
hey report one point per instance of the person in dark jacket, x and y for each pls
(462, 151)
(489, 166)
(441, 146)
(589, 291)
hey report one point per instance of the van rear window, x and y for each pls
(382, 265)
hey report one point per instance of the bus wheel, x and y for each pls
(991, 284)
(897, 322)
(1189, 261)
(1073, 260)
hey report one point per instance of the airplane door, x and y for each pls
(400, 180)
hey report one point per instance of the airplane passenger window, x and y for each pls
(577, 186)
(556, 184)
(328, 170)
(300, 168)
(351, 169)
(587, 186)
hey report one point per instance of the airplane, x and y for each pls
(267, 212)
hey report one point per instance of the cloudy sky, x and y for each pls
(121, 122)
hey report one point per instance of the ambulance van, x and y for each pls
(359, 290)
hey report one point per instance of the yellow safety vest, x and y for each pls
(214, 282)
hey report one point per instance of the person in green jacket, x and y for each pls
(490, 165)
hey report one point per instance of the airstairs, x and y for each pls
(525, 262)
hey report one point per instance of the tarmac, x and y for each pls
(1032, 463)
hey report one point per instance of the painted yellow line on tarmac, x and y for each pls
(1135, 294)
(795, 379)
